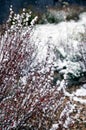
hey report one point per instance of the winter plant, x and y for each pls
(25, 18)
(28, 97)
(27, 100)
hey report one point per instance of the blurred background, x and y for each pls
(39, 5)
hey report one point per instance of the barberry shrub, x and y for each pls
(28, 97)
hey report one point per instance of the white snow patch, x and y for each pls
(80, 92)
(67, 122)
(54, 127)
(82, 101)
(23, 80)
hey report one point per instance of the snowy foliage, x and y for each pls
(29, 99)
(67, 40)
(23, 19)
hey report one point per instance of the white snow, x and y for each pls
(66, 37)
(80, 92)
(80, 100)
(23, 80)
(54, 127)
